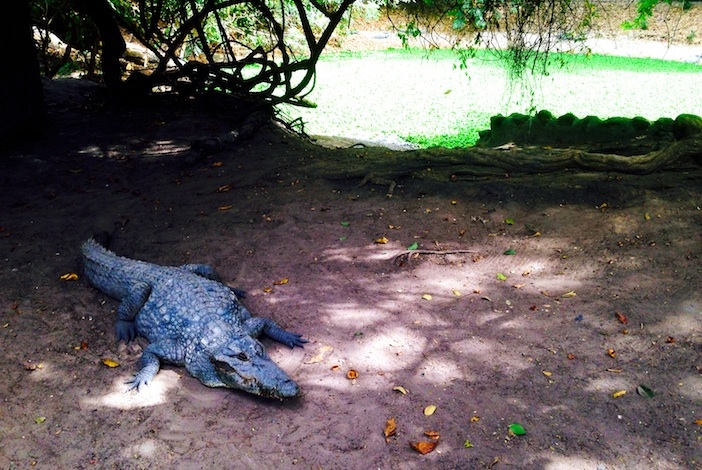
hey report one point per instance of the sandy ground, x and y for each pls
(489, 338)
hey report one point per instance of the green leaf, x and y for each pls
(341, 239)
(467, 444)
(345, 224)
(509, 221)
(644, 391)
(39, 419)
(516, 429)
(413, 246)
(501, 277)
(510, 252)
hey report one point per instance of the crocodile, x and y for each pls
(192, 319)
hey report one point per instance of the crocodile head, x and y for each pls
(243, 364)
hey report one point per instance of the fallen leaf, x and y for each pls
(614, 371)
(611, 352)
(494, 462)
(40, 419)
(501, 277)
(352, 374)
(69, 277)
(518, 286)
(400, 389)
(533, 308)
(510, 252)
(618, 394)
(467, 444)
(381, 240)
(670, 340)
(547, 373)
(571, 356)
(413, 246)
(429, 410)
(319, 357)
(432, 435)
(110, 363)
(457, 293)
(390, 429)
(285, 280)
(647, 216)
(644, 391)
(217, 164)
(335, 367)
(474, 419)
(427, 297)
(568, 295)
(225, 207)
(345, 224)
(698, 422)
(224, 188)
(516, 429)
(267, 290)
(424, 447)
(622, 318)
(509, 221)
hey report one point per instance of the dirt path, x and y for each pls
(542, 348)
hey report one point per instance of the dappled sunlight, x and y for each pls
(608, 385)
(148, 448)
(687, 321)
(155, 393)
(691, 388)
(351, 315)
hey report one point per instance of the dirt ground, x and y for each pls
(489, 338)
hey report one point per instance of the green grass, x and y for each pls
(426, 99)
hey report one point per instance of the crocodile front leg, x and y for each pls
(257, 326)
(149, 363)
(127, 311)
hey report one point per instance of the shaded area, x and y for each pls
(260, 214)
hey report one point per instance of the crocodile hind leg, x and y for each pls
(208, 272)
(149, 364)
(127, 311)
(257, 326)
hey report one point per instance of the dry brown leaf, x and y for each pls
(69, 277)
(424, 447)
(427, 297)
(670, 340)
(224, 188)
(381, 240)
(622, 318)
(611, 352)
(429, 410)
(390, 429)
(571, 356)
(432, 435)
(698, 422)
(401, 389)
(618, 394)
(225, 207)
(267, 290)
(336, 367)
(547, 373)
(474, 419)
(280, 282)
(352, 374)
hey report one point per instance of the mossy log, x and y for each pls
(451, 164)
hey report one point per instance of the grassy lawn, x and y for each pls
(426, 99)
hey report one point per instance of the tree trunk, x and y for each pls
(21, 96)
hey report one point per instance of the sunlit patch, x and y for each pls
(560, 462)
(395, 349)
(153, 394)
(350, 315)
(489, 353)
(685, 322)
(608, 385)
(145, 448)
(440, 371)
(691, 387)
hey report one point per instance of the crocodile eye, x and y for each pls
(242, 356)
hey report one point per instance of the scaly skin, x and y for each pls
(190, 319)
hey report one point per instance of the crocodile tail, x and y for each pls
(104, 269)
